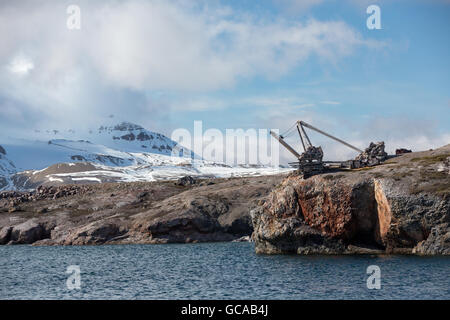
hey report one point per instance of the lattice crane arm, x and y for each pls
(284, 143)
(302, 124)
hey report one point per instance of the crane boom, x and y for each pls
(304, 137)
(301, 138)
(302, 123)
(284, 144)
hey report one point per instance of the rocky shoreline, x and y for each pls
(400, 207)
(183, 211)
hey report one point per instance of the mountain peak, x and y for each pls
(123, 126)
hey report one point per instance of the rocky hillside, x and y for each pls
(402, 206)
(188, 210)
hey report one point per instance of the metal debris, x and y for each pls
(373, 155)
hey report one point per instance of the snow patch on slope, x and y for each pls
(168, 171)
(7, 168)
(125, 152)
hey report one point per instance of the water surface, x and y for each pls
(213, 271)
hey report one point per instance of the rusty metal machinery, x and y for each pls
(310, 162)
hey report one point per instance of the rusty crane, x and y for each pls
(310, 162)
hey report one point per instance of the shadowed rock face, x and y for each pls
(129, 137)
(26, 232)
(363, 211)
(212, 212)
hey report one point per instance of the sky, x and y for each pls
(231, 64)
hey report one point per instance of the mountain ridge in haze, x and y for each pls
(119, 152)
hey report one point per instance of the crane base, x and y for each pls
(308, 169)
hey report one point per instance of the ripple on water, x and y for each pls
(213, 271)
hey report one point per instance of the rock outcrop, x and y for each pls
(196, 210)
(400, 207)
(185, 181)
(212, 212)
(27, 232)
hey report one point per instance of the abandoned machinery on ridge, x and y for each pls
(310, 162)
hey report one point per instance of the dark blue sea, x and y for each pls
(212, 271)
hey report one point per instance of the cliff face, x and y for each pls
(399, 207)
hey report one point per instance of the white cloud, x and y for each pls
(330, 102)
(296, 6)
(199, 104)
(160, 45)
(20, 65)
(128, 48)
(166, 45)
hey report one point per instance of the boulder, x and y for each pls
(243, 239)
(28, 232)
(401, 151)
(5, 234)
(186, 181)
(97, 232)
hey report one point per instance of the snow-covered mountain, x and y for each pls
(7, 169)
(130, 137)
(108, 145)
(123, 152)
(125, 136)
